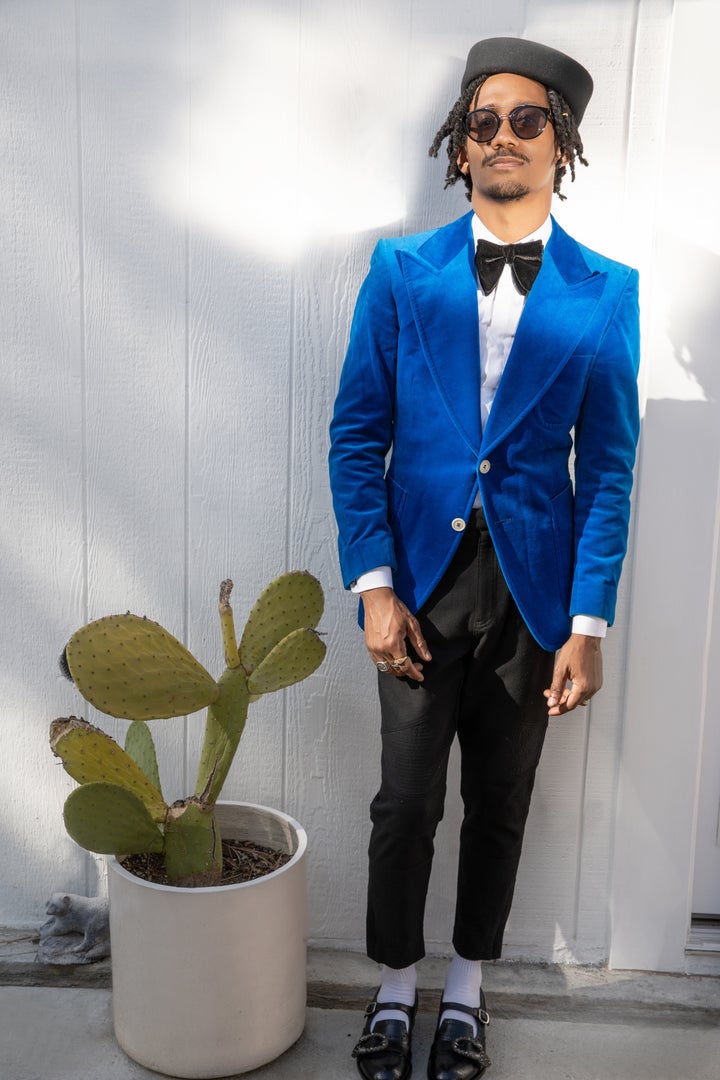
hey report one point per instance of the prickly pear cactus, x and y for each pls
(132, 668)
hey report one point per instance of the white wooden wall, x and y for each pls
(189, 194)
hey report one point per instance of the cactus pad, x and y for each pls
(290, 602)
(90, 756)
(141, 748)
(110, 820)
(292, 659)
(133, 668)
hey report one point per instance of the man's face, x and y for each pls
(508, 168)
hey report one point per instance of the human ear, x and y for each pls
(462, 161)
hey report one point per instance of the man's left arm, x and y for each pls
(606, 434)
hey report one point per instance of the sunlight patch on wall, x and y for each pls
(286, 147)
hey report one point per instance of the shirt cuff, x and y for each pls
(590, 625)
(379, 578)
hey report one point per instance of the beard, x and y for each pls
(508, 192)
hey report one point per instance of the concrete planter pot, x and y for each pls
(211, 982)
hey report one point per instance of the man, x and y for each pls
(482, 356)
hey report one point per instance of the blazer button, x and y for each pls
(485, 466)
(458, 524)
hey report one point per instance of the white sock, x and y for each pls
(463, 982)
(398, 984)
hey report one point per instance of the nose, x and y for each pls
(505, 132)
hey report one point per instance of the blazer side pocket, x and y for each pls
(397, 497)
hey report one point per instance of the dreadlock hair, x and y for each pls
(567, 136)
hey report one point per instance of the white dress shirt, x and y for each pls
(498, 316)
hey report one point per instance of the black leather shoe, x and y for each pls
(456, 1053)
(384, 1054)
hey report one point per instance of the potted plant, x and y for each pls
(208, 979)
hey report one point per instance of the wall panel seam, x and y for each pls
(82, 348)
(188, 363)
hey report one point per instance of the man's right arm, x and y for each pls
(361, 437)
(362, 427)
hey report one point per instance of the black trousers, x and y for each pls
(484, 684)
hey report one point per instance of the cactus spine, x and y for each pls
(134, 669)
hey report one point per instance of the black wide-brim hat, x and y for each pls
(516, 56)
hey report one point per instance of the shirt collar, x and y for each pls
(481, 232)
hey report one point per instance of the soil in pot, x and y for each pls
(243, 860)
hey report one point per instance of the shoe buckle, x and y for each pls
(483, 1017)
(371, 1043)
(471, 1050)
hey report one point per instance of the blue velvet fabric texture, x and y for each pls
(410, 390)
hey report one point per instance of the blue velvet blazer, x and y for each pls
(408, 453)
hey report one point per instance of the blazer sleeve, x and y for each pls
(362, 426)
(606, 433)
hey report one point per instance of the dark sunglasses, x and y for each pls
(527, 121)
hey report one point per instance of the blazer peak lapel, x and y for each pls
(558, 309)
(442, 291)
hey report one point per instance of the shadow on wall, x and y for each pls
(690, 276)
(681, 432)
(675, 569)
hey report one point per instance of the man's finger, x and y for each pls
(389, 666)
(410, 671)
(574, 698)
(419, 643)
(557, 691)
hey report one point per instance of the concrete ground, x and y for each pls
(547, 1022)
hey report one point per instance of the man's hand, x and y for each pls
(579, 662)
(388, 628)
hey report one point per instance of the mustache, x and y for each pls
(504, 154)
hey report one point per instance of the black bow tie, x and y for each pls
(524, 261)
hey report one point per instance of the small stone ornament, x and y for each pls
(77, 930)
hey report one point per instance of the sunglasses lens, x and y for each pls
(528, 122)
(481, 125)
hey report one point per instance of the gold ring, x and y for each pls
(400, 661)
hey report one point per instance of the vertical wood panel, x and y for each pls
(706, 873)
(240, 312)
(41, 538)
(352, 90)
(131, 82)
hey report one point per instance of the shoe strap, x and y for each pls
(480, 1013)
(385, 1006)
